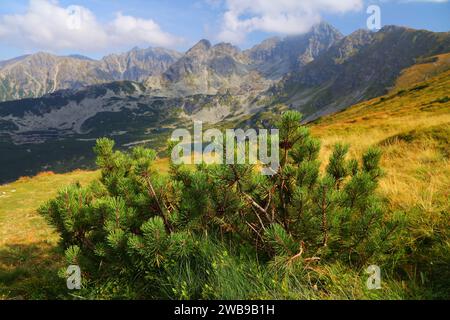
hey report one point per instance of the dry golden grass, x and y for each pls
(418, 171)
(423, 71)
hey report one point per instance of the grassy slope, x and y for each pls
(412, 127)
(423, 71)
(29, 257)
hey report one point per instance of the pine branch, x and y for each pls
(259, 218)
(298, 255)
(256, 205)
(163, 208)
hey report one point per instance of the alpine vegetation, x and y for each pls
(225, 231)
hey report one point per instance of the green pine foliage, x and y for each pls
(225, 231)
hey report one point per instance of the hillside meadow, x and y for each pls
(411, 126)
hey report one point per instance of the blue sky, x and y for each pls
(107, 26)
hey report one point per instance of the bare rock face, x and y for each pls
(276, 57)
(42, 73)
(138, 64)
(205, 69)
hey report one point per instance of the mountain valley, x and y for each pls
(141, 96)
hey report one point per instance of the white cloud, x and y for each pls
(47, 26)
(135, 30)
(281, 16)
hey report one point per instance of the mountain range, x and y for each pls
(203, 69)
(360, 66)
(35, 75)
(207, 69)
(53, 103)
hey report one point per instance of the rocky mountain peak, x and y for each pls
(41, 73)
(226, 48)
(200, 47)
(276, 56)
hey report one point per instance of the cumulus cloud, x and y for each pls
(47, 25)
(128, 29)
(281, 16)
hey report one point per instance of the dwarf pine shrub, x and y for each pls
(225, 231)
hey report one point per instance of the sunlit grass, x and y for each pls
(29, 258)
(423, 71)
(417, 171)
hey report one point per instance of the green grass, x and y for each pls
(29, 256)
